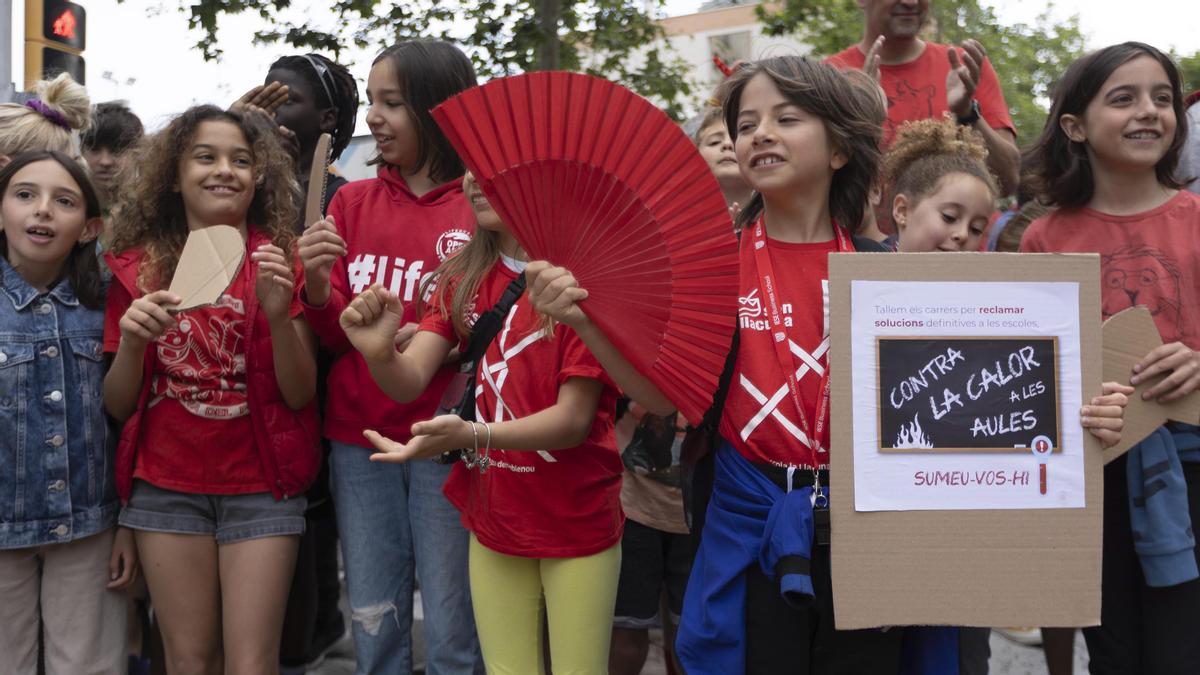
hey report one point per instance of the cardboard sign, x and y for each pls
(960, 390)
(1128, 336)
(967, 394)
(1020, 564)
(209, 262)
(314, 203)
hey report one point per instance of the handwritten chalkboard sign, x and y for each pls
(962, 394)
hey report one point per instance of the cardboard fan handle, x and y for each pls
(317, 176)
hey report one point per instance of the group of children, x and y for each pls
(188, 444)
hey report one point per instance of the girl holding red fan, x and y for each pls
(393, 230)
(806, 139)
(1107, 158)
(539, 488)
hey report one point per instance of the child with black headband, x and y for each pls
(322, 97)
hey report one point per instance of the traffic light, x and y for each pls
(55, 37)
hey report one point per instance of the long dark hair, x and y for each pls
(852, 110)
(429, 72)
(1060, 172)
(82, 268)
(332, 86)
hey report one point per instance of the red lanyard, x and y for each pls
(766, 272)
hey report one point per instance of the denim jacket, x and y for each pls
(56, 446)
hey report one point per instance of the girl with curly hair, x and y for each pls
(220, 430)
(942, 190)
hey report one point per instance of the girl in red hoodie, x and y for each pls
(220, 435)
(393, 231)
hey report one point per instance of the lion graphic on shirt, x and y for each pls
(198, 356)
(914, 102)
(1142, 275)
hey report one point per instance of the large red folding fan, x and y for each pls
(592, 177)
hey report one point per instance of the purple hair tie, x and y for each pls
(48, 112)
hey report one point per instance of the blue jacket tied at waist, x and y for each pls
(1158, 504)
(750, 520)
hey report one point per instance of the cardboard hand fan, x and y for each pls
(592, 177)
(210, 260)
(1128, 336)
(318, 176)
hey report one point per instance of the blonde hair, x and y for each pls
(23, 128)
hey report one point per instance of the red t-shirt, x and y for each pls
(546, 504)
(760, 419)
(196, 431)
(917, 90)
(1150, 258)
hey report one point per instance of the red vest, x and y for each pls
(288, 441)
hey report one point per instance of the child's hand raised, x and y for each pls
(372, 322)
(1176, 358)
(319, 247)
(274, 282)
(430, 439)
(147, 318)
(1105, 416)
(266, 96)
(554, 292)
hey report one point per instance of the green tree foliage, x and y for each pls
(1190, 66)
(1028, 57)
(503, 37)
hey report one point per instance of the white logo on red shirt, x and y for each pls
(367, 269)
(750, 305)
(451, 241)
(810, 362)
(496, 374)
(751, 308)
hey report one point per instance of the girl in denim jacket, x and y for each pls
(60, 557)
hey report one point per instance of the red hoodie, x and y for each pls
(397, 239)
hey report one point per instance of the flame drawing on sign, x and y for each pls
(912, 435)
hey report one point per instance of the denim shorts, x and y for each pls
(231, 518)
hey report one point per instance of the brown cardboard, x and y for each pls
(976, 568)
(1128, 336)
(317, 176)
(209, 262)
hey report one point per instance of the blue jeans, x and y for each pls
(393, 520)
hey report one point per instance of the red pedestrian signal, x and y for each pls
(64, 25)
(55, 37)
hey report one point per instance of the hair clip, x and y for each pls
(38, 105)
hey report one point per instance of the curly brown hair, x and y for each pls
(150, 211)
(927, 150)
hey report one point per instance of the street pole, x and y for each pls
(6, 51)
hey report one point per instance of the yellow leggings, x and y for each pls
(578, 595)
